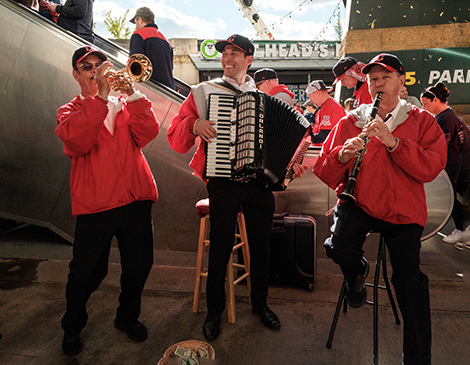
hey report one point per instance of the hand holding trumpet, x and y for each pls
(107, 79)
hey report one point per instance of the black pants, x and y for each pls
(132, 226)
(458, 186)
(344, 246)
(225, 199)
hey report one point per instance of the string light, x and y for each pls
(266, 30)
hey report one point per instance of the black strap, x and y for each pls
(225, 84)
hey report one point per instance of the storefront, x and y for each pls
(296, 62)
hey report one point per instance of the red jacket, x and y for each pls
(108, 171)
(389, 185)
(282, 89)
(181, 138)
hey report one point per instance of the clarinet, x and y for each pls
(347, 194)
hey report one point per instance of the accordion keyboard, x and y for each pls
(218, 163)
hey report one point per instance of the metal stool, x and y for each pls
(381, 258)
(202, 209)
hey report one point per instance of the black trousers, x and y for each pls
(225, 199)
(344, 246)
(458, 186)
(133, 228)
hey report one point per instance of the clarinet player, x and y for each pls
(404, 152)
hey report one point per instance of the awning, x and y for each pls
(203, 64)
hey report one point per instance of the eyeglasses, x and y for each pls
(261, 83)
(88, 66)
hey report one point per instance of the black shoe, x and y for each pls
(211, 327)
(134, 329)
(268, 317)
(71, 344)
(356, 294)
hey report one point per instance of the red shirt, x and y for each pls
(327, 116)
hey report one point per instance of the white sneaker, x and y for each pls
(454, 237)
(459, 246)
(466, 234)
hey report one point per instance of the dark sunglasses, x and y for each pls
(88, 66)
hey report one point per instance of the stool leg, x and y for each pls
(246, 251)
(230, 292)
(203, 230)
(335, 318)
(376, 305)
(387, 285)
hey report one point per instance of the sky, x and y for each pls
(218, 19)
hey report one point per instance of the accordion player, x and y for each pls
(257, 138)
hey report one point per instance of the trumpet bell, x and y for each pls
(138, 69)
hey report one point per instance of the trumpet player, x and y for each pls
(406, 150)
(112, 191)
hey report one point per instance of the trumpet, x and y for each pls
(138, 69)
(347, 194)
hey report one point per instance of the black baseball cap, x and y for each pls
(238, 41)
(342, 66)
(264, 74)
(389, 61)
(82, 52)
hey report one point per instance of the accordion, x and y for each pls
(257, 138)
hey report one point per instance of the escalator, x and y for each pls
(35, 80)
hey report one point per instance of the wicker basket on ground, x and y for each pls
(190, 344)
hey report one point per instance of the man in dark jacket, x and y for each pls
(76, 16)
(148, 40)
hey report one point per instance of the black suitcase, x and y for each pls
(292, 255)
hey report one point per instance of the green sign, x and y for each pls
(370, 14)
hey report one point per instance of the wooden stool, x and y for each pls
(202, 209)
(381, 259)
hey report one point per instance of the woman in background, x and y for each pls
(434, 100)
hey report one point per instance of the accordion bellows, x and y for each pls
(257, 138)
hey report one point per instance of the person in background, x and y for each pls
(309, 112)
(348, 104)
(409, 98)
(43, 10)
(149, 41)
(112, 191)
(266, 80)
(227, 196)
(349, 71)
(434, 100)
(298, 107)
(329, 110)
(406, 149)
(76, 16)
